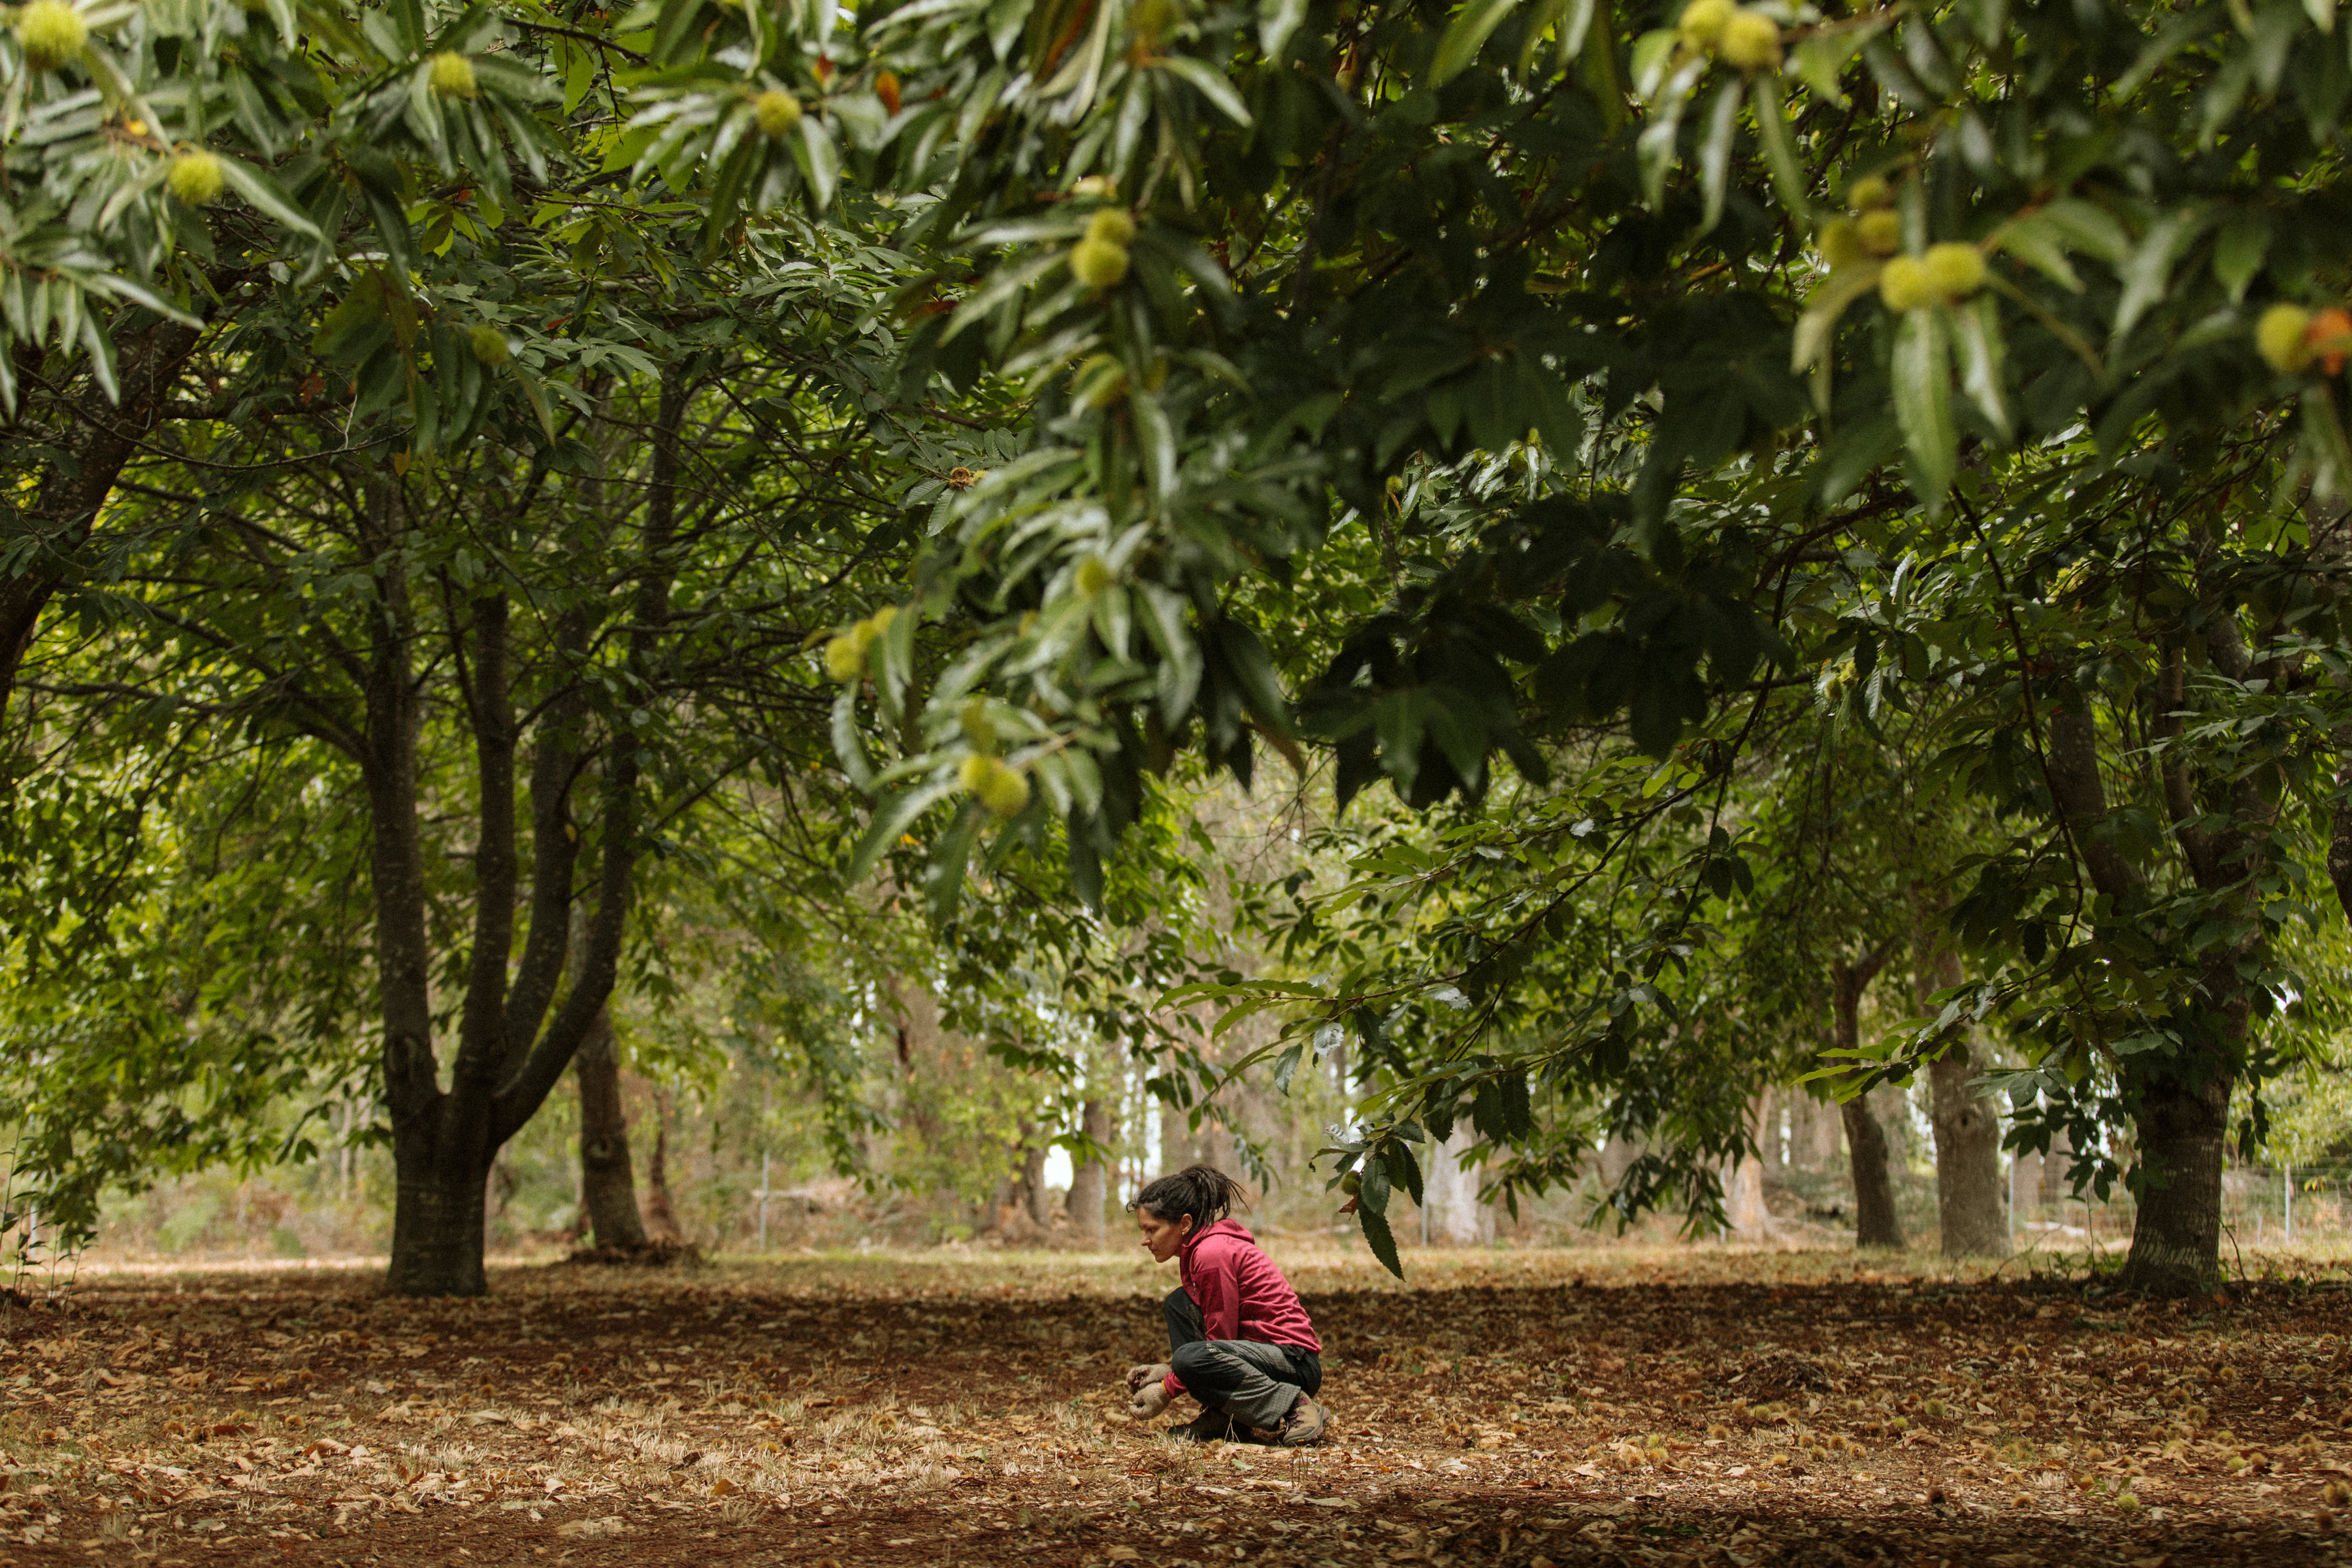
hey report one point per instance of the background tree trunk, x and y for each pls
(661, 1215)
(1089, 1181)
(1968, 1198)
(608, 1183)
(1876, 1224)
(1032, 1180)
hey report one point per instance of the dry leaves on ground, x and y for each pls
(1567, 1408)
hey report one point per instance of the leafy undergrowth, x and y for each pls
(1568, 1407)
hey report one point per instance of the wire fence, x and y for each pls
(2267, 1206)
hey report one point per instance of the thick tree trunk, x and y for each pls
(436, 1219)
(1876, 1224)
(1088, 1181)
(2183, 1123)
(1967, 1124)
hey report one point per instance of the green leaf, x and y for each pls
(1655, 150)
(1373, 1198)
(1377, 1236)
(2148, 272)
(1977, 327)
(1276, 21)
(1779, 149)
(2039, 243)
(1827, 304)
(2239, 248)
(1286, 1066)
(1923, 404)
(1404, 1171)
(1465, 36)
(891, 818)
(1715, 151)
(1211, 86)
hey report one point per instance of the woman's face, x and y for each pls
(1162, 1239)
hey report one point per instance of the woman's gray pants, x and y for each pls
(1250, 1380)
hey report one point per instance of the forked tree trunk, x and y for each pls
(1876, 1224)
(2180, 1101)
(1967, 1124)
(505, 1064)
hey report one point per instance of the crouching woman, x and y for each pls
(1238, 1340)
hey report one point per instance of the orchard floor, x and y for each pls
(1578, 1407)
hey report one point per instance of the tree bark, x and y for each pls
(661, 1214)
(1876, 1224)
(1968, 1198)
(2180, 1103)
(74, 487)
(1033, 1179)
(1090, 1180)
(608, 1182)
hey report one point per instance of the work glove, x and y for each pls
(1146, 1372)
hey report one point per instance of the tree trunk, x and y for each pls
(608, 1186)
(505, 1065)
(2181, 1100)
(1873, 1188)
(661, 1215)
(1088, 1181)
(436, 1222)
(1032, 1180)
(2177, 1237)
(1969, 1199)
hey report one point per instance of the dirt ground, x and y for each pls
(1517, 1408)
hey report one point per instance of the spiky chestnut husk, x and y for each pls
(1841, 244)
(2280, 337)
(1957, 270)
(1098, 263)
(453, 75)
(1100, 381)
(1750, 41)
(51, 32)
(1701, 24)
(1113, 225)
(1001, 788)
(1868, 194)
(1905, 286)
(196, 177)
(778, 113)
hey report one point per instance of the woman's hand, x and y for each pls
(1149, 1401)
(1145, 1372)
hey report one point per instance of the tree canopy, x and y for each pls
(1732, 472)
